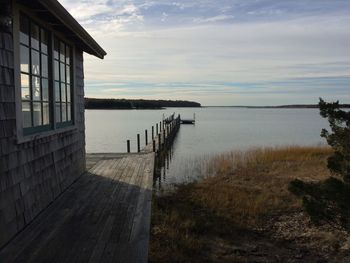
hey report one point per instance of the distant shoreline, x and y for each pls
(294, 106)
(141, 104)
(126, 104)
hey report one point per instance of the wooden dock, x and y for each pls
(189, 121)
(103, 217)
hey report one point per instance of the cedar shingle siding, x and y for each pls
(34, 173)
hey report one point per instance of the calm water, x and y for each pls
(217, 130)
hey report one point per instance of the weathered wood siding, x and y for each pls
(34, 173)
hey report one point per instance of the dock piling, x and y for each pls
(138, 142)
(146, 137)
(128, 146)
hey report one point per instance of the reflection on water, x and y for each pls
(162, 168)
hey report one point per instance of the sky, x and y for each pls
(218, 52)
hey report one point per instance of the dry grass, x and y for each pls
(244, 191)
(249, 185)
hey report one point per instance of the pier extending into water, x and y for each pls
(104, 216)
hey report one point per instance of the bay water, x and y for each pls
(217, 130)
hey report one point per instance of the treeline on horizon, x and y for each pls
(91, 103)
(292, 106)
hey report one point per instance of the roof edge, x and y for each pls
(69, 21)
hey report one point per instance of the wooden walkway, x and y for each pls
(103, 217)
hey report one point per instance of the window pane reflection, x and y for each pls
(57, 70)
(26, 115)
(24, 57)
(45, 89)
(69, 112)
(64, 112)
(44, 41)
(67, 55)
(68, 93)
(62, 52)
(36, 89)
(35, 36)
(25, 87)
(44, 66)
(58, 112)
(68, 74)
(56, 49)
(37, 118)
(35, 62)
(63, 72)
(57, 92)
(24, 31)
(46, 114)
(63, 92)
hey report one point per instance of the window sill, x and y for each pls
(46, 134)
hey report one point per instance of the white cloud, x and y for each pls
(213, 19)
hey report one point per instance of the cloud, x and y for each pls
(213, 19)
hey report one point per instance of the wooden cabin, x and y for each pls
(42, 132)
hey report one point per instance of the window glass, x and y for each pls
(34, 36)
(68, 74)
(44, 41)
(25, 90)
(63, 92)
(64, 112)
(58, 112)
(56, 49)
(57, 70)
(46, 114)
(67, 55)
(24, 31)
(63, 72)
(44, 66)
(69, 112)
(62, 52)
(37, 117)
(68, 93)
(57, 92)
(35, 62)
(45, 89)
(26, 115)
(24, 58)
(36, 93)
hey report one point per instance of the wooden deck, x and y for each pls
(103, 217)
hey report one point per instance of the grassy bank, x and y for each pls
(245, 213)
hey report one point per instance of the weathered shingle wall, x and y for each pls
(34, 173)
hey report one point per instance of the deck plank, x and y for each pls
(98, 219)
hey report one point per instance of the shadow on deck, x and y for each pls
(103, 217)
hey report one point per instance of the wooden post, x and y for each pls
(160, 142)
(138, 142)
(152, 132)
(146, 137)
(157, 128)
(160, 126)
(128, 145)
(154, 145)
(164, 139)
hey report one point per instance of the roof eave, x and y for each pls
(57, 10)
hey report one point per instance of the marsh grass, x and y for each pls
(239, 193)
